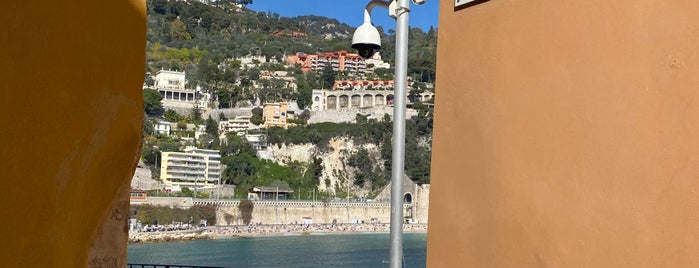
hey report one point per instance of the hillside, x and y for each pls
(333, 157)
(328, 158)
(184, 32)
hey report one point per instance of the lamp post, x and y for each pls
(367, 41)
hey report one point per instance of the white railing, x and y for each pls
(308, 204)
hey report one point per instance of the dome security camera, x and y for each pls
(366, 39)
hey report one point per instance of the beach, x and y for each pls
(258, 230)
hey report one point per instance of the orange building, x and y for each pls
(339, 61)
(275, 114)
(296, 34)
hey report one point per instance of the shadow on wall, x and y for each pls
(468, 3)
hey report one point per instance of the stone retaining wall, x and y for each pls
(268, 212)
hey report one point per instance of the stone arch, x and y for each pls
(332, 103)
(356, 101)
(368, 100)
(379, 100)
(343, 102)
(408, 198)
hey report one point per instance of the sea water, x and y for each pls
(321, 250)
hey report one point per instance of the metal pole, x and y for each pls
(398, 161)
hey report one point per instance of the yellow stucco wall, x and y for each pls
(566, 135)
(70, 76)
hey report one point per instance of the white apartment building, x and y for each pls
(257, 140)
(250, 61)
(376, 62)
(239, 124)
(163, 127)
(193, 168)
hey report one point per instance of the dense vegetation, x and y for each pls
(417, 148)
(245, 169)
(162, 215)
(204, 40)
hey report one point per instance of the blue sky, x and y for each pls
(349, 11)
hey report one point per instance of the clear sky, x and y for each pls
(349, 11)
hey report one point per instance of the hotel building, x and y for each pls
(193, 168)
(339, 61)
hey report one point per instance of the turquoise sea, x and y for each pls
(323, 250)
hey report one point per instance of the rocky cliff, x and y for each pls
(337, 175)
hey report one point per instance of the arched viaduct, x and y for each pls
(355, 99)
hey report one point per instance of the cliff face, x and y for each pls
(337, 174)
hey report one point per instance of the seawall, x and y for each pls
(299, 212)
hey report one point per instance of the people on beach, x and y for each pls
(257, 229)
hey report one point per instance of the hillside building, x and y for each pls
(363, 84)
(193, 168)
(163, 127)
(376, 62)
(288, 80)
(275, 114)
(171, 84)
(257, 139)
(250, 61)
(338, 60)
(286, 33)
(239, 124)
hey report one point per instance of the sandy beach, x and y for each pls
(254, 230)
(259, 230)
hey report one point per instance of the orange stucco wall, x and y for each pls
(566, 135)
(71, 113)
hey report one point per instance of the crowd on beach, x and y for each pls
(256, 230)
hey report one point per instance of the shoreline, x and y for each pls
(258, 230)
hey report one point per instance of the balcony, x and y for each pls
(186, 171)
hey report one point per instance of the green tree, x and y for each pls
(151, 102)
(196, 114)
(257, 118)
(169, 146)
(172, 116)
(187, 192)
(182, 125)
(149, 154)
(211, 126)
(305, 116)
(327, 77)
(361, 119)
(178, 30)
(148, 127)
(362, 162)
(304, 94)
